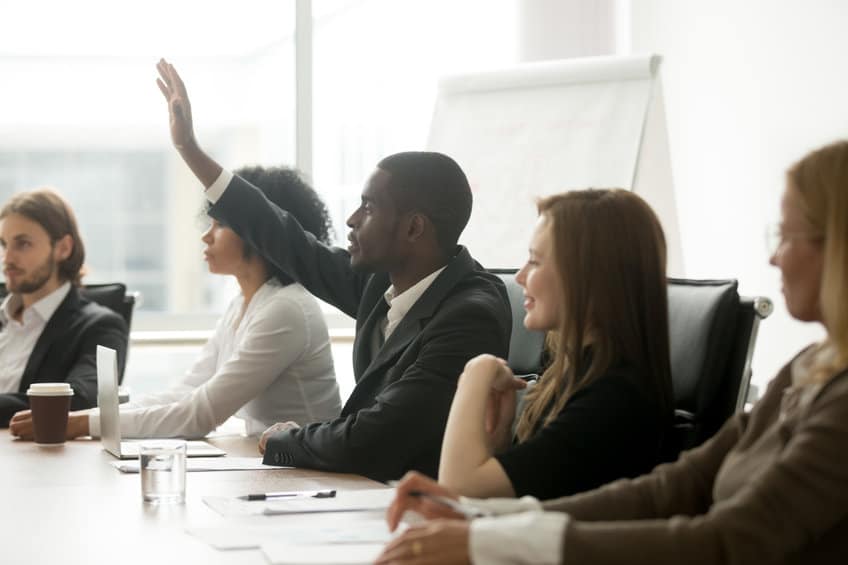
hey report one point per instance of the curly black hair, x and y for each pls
(287, 188)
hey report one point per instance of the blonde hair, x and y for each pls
(609, 253)
(821, 181)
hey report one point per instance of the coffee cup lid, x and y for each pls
(50, 389)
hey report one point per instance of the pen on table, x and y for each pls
(290, 494)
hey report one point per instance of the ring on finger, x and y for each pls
(417, 548)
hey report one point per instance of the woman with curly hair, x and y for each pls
(269, 357)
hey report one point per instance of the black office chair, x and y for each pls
(526, 347)
(113, 296)
(712, 336)
(713, 332)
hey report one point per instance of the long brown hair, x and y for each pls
(821, 180)
(49, 210)
(609, 251)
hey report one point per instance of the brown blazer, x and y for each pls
(766, 489)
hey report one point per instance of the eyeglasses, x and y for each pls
(776, 238)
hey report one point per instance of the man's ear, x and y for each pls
(416, 227)
(63, 248)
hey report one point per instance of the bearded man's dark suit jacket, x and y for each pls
(66, 352)
(395, 417)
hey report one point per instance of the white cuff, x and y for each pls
(500, 506)
(214, 192)
(94, 423)
(529, 537)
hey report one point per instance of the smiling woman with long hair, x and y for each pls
(601, 408)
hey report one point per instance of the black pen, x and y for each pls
(290, 494)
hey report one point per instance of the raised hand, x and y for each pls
(182, 130)
(179, 107)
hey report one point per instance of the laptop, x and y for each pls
(110, 423)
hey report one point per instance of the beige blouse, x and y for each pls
(770, 487)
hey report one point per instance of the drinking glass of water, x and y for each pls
(162, 465)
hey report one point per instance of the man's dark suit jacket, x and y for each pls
(66, 352)
(395, 417)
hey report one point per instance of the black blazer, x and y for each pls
(66, 351)
(395, 417)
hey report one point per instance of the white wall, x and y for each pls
(557, 29)
(750, 86)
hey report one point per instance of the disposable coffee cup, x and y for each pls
(50, 403)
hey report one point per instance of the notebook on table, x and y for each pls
(110, 422)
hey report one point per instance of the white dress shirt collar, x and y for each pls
(401, 304)
(43, 308)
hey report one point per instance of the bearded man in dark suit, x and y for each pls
(49, 332)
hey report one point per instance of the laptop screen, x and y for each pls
(110, 421)
(107, 399)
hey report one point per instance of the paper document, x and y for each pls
(344, 501)
(208, 464)
(230, 506)
(305, 529)
(348, 554)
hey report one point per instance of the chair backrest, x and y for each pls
(113, 296)
(712, 334)
(525, 347)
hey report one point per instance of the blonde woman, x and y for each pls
(770, 487)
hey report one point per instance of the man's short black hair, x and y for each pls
(434, 185)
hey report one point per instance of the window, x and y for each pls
(85, 116)
(87, 119)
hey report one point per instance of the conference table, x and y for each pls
(70, 505)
